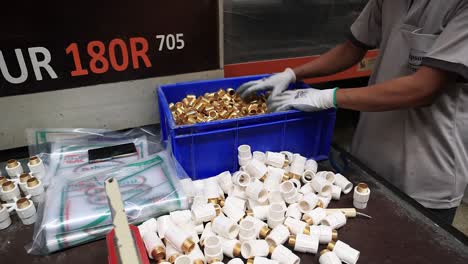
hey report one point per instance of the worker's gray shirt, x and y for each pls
(421, 150)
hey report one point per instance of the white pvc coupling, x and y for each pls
(255, 248)
(307, 176)
(238, 191)
(336, 192)
(297, 166)
(334, 220)
(180, 239)
(257, 169)
(241, 178)
(13, 168)
(275, 159)
(205, 212)
(274, 178)
(225, 227)
(150, 225)
(304, 243)
(183, 259)
(315, 216)
(306, 188)
(260, 212)
(289, 156)
(26, 211)
(275, 197)
(308, 202)
(233, 212)
(247, 230)
(261, 260)
(35, 188)
(213, 249)
(10, 191)
(324, 233)
(5, 220)
(344, 252)
(258, 155)
(343, 183)
(261, 228)
(164, 223)
(211, 189)
(321, 186)
(154, 246)
(289, 192)
(324, 201)
(181, 217)
(36, 167)
(293, 211)
(328, 175)
(225, 181)
(23, 178)
(244, 155)
(197, 255)
(256, 191)
(284, 256)
(231, 247)
(276, 214)
(172, 253)
(235, 201)
(361, 196)
(236, 261)
(278, 236)
(311, 165)
(207, 232)
(295, 226)
(328, 257)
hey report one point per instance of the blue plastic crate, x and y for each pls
(206, 149)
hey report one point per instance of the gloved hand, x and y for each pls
(278, 83)
(307, 100)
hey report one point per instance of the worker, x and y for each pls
(413, 128)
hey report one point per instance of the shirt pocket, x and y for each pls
(418, 45)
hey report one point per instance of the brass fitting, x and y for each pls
(12, 163)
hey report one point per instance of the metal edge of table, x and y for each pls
(447, 227)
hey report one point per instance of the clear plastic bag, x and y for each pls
(76, 211)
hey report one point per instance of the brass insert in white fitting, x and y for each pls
(361, 196)
(13, 168)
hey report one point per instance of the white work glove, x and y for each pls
(307, 100)
(278, 83)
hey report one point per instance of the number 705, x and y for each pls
(171, 41)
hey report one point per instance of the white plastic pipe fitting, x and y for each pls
(289, 156)
(13, 168)
(324, 233)
(278, 236)
(293, 211)
(231, 247)
(244, 161)
(26, 211)
(297, 183)
(335, 192)
(315, 216)
(328, 257)
(235, 201)
(236, 260)
(154, 246)
(304, 243)
(197, 255)
(204, 213)
(335, 220)
(361, 196)
(225, 227)
(344, 252)
(307, 176)
(308, 202)
(274, 178)
(321, 186)
(311, 165)
(5, 220)
(241, 178)
(341, 181)
(225, 181)
(179, 238)
(324, 201)
(150, 225)
(213, 249)
(255, 248)
(239, 192)
(295, 226)
(284, 256)
(261, 260)
(35, 188)
(10, 191)
(181, 217)
(260, 212)
(36, 167)
(233, 212)
(183, 259)
(211, 190)
(276, 214)
(207, 232)
(289, 192)
(328, 175)
(256, 191)
(247, 230)
(275, 159)
(261, 228)
(23, 178)
(297, 167)
(257, 169)
(172, 253)
(306, 188)
(275, 197)
(244, 151)
(164, 223)
(260, 156)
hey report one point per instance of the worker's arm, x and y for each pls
(418, 89)
(335, 60)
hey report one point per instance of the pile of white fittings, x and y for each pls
(21, 191)
(273, 200)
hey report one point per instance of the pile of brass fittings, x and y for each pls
(221, 105)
